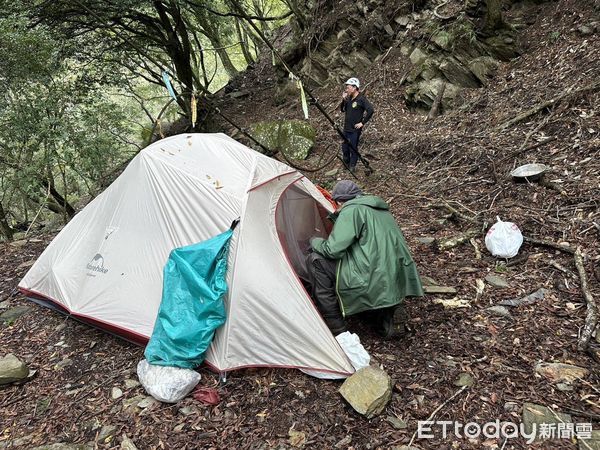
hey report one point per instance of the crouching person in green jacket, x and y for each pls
(364, 266)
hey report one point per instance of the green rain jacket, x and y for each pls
(375, 269)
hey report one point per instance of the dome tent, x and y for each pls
(105, 266)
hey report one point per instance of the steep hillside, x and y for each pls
(443, 177)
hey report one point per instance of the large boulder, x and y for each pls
(295, 138)
(368, 391)
(12, 369)
(483, 68)
(458, 74)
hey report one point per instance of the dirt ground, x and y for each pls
(442, 178)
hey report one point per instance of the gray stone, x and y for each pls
(295, 138)
(535, 415)
(344, 442)
(146, 402)
(439, 290)
(585, 30)
(62, 364)
(402, 20)
(483, 68)
(368, 391)
(389, 30)
(501, 311)
(496, 281)
(107, 432)
(565, 387)
(417, 57)
(127, 444)
(527, 300)
(556, 372)
(511, 407)
(464, 379)
(12, 314)
(426, 240)
(116, 393)
(397, 423)
(130, 384)
(12, 369)
(442, 39)
(428, 281)
(331, 173)
(590, 444)
(458, 74)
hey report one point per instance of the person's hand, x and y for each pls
(344, 95)
(358, 126)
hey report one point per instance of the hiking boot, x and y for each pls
(394, 322)
(352, 169)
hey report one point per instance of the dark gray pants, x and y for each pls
(387, 322)
(321, 280)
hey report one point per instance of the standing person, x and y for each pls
(364, 266)
(358, 112)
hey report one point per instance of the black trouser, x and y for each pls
(321, 279)
(321, 286)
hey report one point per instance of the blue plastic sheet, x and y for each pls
(192, 303)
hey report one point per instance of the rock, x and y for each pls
(423, 93)
(297, 438)
(496, 281)
(535, 415)
(511, 407)
(295, 138)
(556, 372)
(442, 39)
(464, 379)
(483, 68)
(565, 387)
(405, 49)
(106, 433)
(585, 30)
(5, 304)
(397, 423)
(116, 393)
(527, 300)
(402, 20)
(593, 443)
(453, 303)
(62, 364)
(12, 314)
(501, 311)
(388, 29)
(331, 173)
(344, 442)
(428, 281)
(439, 290)
(130, 384)
(12, 369)
(426, 240)
(368, 391)
(127, 444)
(417, 57)
(146, 402)
(503, 50)
(458, 74)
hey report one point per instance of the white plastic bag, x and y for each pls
(354, 350)
(504, 239)
(167, 384)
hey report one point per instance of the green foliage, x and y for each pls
(554, 36)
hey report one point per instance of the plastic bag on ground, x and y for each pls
(356, 353)
(504, 239)
(167, 384)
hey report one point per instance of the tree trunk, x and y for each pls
(243, 37)
(7, 231)
(58, 204)
(493, 16)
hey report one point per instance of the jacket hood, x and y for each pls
(367, 200)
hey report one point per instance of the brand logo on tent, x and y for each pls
(97, 264)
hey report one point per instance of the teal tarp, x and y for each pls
(192, 303)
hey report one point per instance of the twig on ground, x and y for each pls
(543, 243)
(591, 319)
(437, 410)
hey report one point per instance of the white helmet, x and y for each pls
(353, 82)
